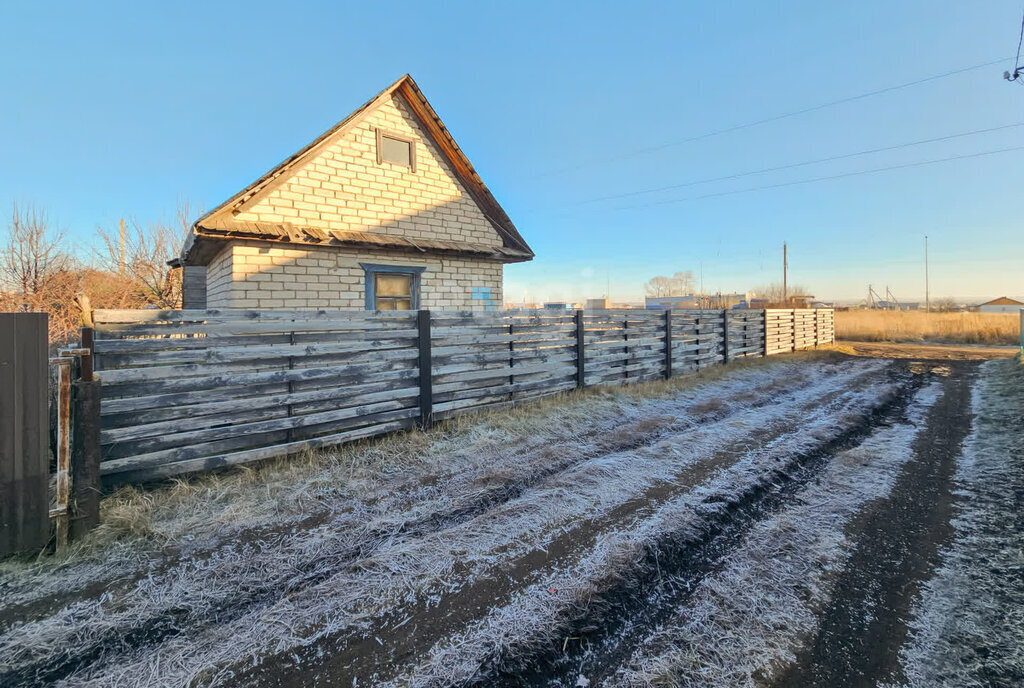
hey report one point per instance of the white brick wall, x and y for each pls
(247, 275)
(344, 188)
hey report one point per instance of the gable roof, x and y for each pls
(1002, 301)
(220, 223)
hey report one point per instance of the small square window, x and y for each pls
(396, 149)
(392, 287)
(393, 291)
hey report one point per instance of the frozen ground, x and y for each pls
(814, 520)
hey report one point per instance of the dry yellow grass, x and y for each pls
(918, 326)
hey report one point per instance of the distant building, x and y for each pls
(597, 304)
(663, 302)
(1003, 304)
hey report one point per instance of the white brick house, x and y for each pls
(383, 211)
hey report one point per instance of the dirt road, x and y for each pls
(798, 522)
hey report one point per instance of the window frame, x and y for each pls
(371, 270)
(381, 133)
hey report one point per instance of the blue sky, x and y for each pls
(117, 110)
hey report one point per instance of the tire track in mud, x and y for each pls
(409, 632)
(165, 623)
(629, 603)
(897, 543)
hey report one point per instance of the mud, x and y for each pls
(898, 540)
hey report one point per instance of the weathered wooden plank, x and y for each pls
(202, 370)
(234, 442)
(115, 316)
(497, 372)
(356, 373)
(241, 410)
(213, 355)
(233, 328)
(566, 380)
(129, 471)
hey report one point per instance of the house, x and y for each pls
(1001, 305)
(381, 212)
(663, 302)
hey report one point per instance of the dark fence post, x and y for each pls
(668, 343)
(426, 371)
(793, 346)
(764, 340)
(24, 433)
(87, 361)
(725, 336)
(580, 366)
(85, 455)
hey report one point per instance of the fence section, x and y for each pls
(795, 329)
(24, 442)
(191, 390)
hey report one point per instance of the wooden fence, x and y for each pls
(184, 391)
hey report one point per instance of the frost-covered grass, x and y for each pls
(744, 622)
(218, 571)
(968, 627)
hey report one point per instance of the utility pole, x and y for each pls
(122, 248)
(785, 276)
(927, 296)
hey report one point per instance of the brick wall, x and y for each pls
(345, 188)
(247, 275)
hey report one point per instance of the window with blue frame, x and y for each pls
(392, 287)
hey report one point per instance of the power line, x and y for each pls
(805, 163)
(826, 178)
(774, 118)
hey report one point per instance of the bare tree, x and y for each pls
(32, 255)
(679, 284)
(143, 259)
(658, 286)
(772, 294)
(684, 282)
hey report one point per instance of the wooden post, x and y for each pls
(668, 343)
(580, 366)
(24, 433)
(426, 372)
(725, 336)
(793, 336)
(62, 511)
(625, 347)
(85, 457)
(764, 340)
(87, 361)
(511, 362)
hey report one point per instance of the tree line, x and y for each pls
(682, 284)
(40, 272)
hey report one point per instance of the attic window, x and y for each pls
(396, 149)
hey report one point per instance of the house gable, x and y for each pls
(1002, 301)
(338, 192)
(344, 187)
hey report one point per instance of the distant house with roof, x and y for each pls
(381, 212)
(1003, 304)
